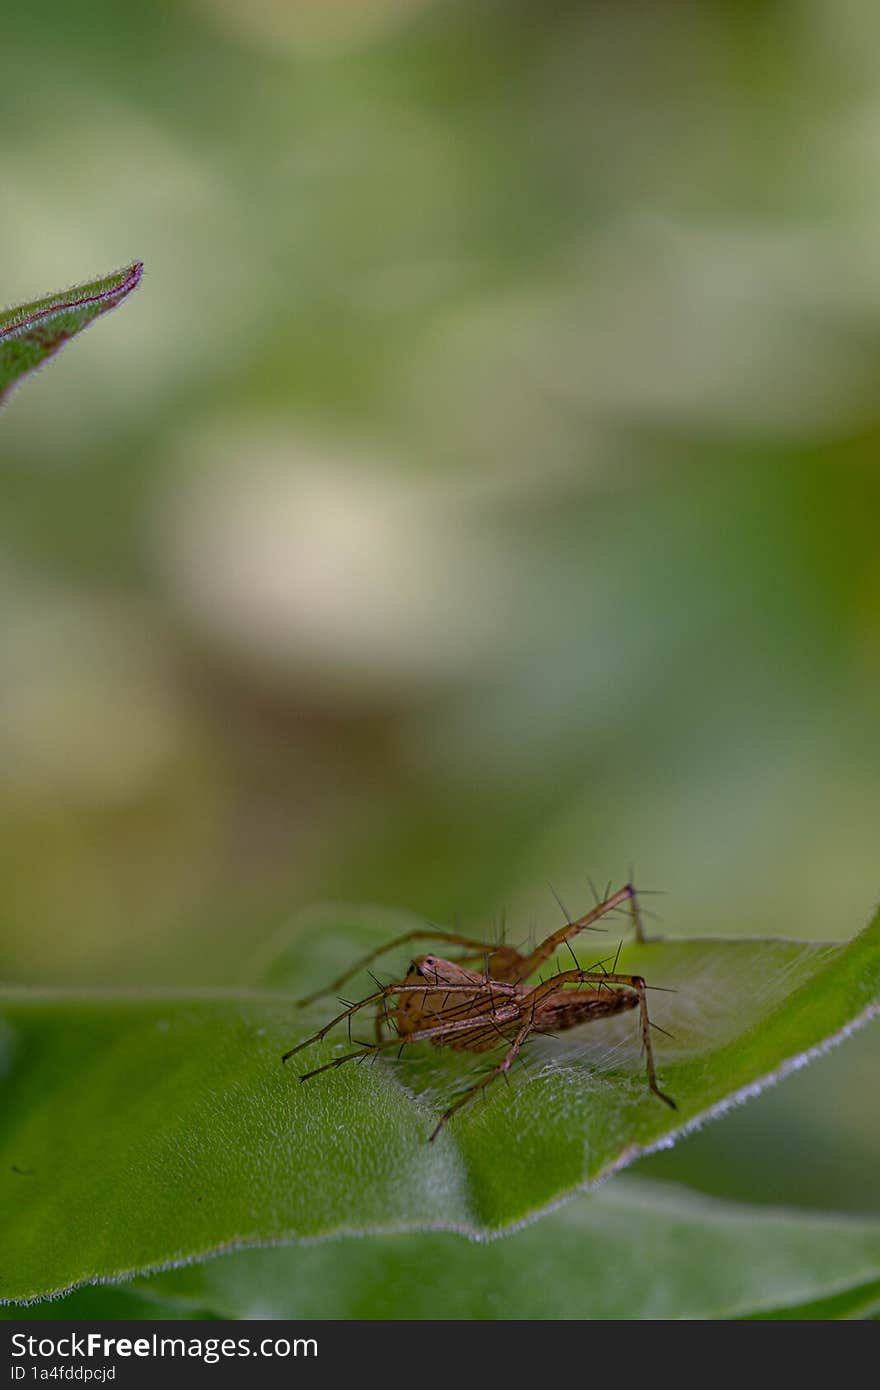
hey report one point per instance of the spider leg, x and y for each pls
(601, 978)
(418, 934)
(381, 1020)
(503, 1066)
(429, 987)
(529, 964)
(440, 1033)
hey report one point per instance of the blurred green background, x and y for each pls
(481, 491)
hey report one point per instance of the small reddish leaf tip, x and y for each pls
(133, 277)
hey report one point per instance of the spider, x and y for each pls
(450, 1004)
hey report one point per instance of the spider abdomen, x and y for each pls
(569, 1007)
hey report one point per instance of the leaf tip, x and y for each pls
(127, 280)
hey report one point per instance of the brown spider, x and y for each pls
(447, 1003)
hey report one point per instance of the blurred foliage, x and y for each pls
(488, 495)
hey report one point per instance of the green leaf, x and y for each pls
(32, 333)
(138, 1131)
(860, 1301)
(634, 1249)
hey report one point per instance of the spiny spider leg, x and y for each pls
(418, 934)
(503, 1066)
(540, 992)
(441, 1031)
(529, 964)
(429, 987)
